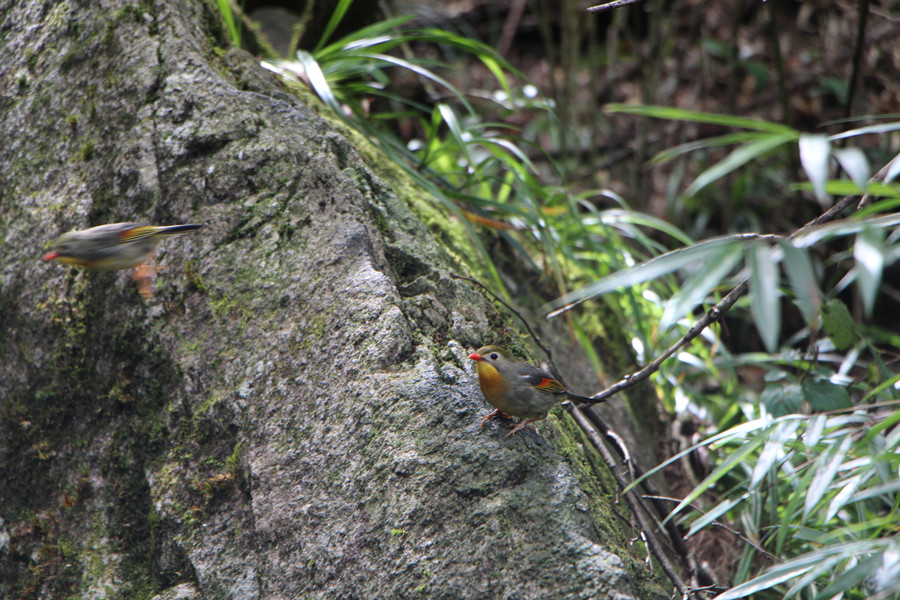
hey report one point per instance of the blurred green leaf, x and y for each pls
(825, 467)
(731, 462)
(854, 162)
(893, 169)
(615, 216)
(842, 497)
(781, 400)
(234, 27)
(847, 187)
(822, 395)
(839, 324)
(738, 158)
(318, 81)
(728, 139)
(843, 228)
(696, 288)
(765, 301)
(802, 278)
(679, 114)
(886, 490)
(888, 383)
(773, 451)
(714, 513)
(852, 577)
(816, 562)
(880, 128)
(814, 152)
(450, 119)
(336, 17)
(652, 269)
(738, 432)
(868, 254)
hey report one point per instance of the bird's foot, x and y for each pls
(490, 417)
(520, 426)
(144, 274)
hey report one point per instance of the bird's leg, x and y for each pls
(521, 425)
(143, 277)
(490, 417)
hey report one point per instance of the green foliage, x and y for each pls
(810, 465)
(805, 461)
(233, 26)
(462, 159)
(477, 169)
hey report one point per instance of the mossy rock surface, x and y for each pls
(292, 415)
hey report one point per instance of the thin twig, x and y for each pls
(537, 340)
(713, 315)
(858, 49)
(733, 532)
(781, 77)
(718, 311)
(611, 5)
(510, 25)
(634, 503)
(589, 424)
(635, 471)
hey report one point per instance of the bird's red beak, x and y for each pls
(475, 356)
(50, 256)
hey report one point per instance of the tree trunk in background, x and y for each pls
(292, 414)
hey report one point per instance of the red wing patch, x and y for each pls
(136, 232)
(551, 385)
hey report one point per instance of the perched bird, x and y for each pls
(518, 389)
(114, 246)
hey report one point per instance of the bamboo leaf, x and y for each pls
(773, 451)
(802, 278)
(698, 286)
(822, 395)
(729, 139)
(839, 324)
(736, 159)
(814, 152)
(714, 513)
(868, 252)
(679, 114)
(843, 229)
(335, 19)
(736, 433)
(733, 460)
(881, 128)
(652, 269)
(318, 81)
(884, 489)
(810, 563)
(854, 162)
(893, 169)
(826, 468)
(852, 577)
(765, 304)
(452, 122)
(842, 497)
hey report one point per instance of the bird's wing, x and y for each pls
(138, 232)
(541, 380)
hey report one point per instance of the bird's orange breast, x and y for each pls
(74, 260)
(493, 386)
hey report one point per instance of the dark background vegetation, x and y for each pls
(818, 68)
(292, 415)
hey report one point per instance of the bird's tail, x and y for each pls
(583, 399)
(176, 229)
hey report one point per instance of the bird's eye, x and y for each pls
(494, 356)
